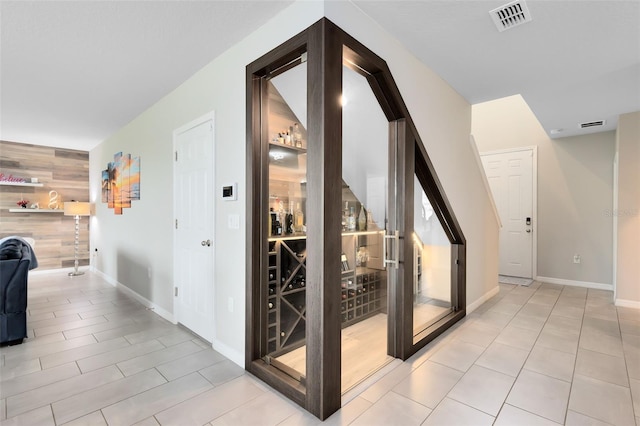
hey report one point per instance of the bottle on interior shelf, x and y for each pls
(297, 136)
(351, 220)
(298, 219)
(278, 228)
(345, 215)
(288, 221)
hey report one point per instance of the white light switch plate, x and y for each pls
(234, 221)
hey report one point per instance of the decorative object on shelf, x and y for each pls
(35, 205)
(53, 200)
(344, 262)
(11, 179)
(121, 182)
(23, 203)
(34, 180)
(362, 256)
(77, 209)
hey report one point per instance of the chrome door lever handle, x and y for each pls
(206, 243)
(528, 230)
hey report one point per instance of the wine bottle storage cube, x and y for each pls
(363, 293)
(365, 299)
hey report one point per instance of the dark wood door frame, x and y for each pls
(326, 47)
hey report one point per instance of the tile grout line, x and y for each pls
(504, 402)
(575, 362)
(624, 359)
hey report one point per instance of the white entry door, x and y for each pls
(510, 176)
(194, 239)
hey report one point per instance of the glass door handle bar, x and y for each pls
(395, 249)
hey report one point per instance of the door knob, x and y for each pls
(528, 230)
(206, 243)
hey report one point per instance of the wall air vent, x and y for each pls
(510, 15)
(592, 124)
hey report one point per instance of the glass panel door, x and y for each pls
(431, 264)
(365, 171)
(285, 294)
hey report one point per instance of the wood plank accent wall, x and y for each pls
(63, 170)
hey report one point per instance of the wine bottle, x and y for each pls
(288, 221)
(298, 219)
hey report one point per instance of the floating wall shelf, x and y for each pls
(36, 211)
(21, 184)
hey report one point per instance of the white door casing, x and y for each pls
(511, 178)
(193, 183)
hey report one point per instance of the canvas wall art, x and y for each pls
(121, 182)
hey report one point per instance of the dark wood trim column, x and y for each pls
(405, 184)
(324, 197)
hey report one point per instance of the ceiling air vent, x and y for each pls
(510, 15)
(592, 124)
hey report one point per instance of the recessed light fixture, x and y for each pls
(556, 131)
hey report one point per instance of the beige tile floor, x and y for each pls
(538, 355)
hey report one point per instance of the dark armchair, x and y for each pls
(16, 259)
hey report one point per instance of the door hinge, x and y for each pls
(176, 223)
(175, 291)
(176, 155)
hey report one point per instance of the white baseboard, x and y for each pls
(628, 303)
(586, 284)
(230, 353)
(488, 295)
(143, 300)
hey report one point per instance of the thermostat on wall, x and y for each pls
(230, 192)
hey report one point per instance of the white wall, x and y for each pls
(575, 191)
(142, 238)
(628, 211)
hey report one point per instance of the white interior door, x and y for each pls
(510, 175)
(193, 250)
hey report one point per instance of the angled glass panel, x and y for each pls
(431, 264)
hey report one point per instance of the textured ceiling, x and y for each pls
(73, 72)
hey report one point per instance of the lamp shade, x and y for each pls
(77, 208)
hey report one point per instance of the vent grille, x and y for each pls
(510, 15)
(592, 124)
